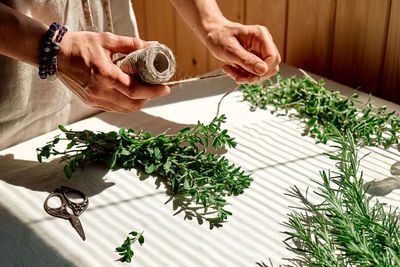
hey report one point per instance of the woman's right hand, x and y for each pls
(85, 66)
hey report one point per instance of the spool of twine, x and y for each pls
(154, 64)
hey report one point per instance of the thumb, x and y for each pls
(247, 60)
(125, 45)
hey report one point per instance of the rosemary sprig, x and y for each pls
(346, 228)
(183, 159)
(125, 249)
(323, 109)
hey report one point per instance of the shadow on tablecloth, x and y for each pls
(20, 246)
(47, 176)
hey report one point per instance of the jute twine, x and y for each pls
(154, 64)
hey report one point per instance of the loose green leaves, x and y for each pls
(187, 160)
(125, 250)
(323, 110)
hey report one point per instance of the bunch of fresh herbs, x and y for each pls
(323, 109)
(125, 249)
(183, 159)
(347, 228)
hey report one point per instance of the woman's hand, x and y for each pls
(85, 66)
(248, 50)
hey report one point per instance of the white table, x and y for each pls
(270, 147)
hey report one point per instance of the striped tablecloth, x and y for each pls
(270, 147)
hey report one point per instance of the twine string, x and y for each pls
(156, 64)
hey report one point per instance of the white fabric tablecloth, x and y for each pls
(270, 147)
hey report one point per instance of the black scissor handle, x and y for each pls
(62, 211)
(77, 208)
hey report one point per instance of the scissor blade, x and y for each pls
(76, 223)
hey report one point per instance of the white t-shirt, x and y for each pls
(30, 106)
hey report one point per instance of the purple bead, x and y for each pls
(55, 26)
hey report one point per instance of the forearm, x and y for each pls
(200, 15)
(20, 35)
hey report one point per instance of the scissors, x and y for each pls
(63, 212)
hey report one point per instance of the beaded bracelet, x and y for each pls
(53, 69)
(49, 49)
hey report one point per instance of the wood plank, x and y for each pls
(160, 19)
(390, 88)
(359, 42)
(234, 11)
(191, 54)
(140, 11)
(271, 14)
(309, 34)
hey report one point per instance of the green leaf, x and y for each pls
(39, 158)
(312, 121)
(112, 160)
(121, 132)
(120, 249)
(141, 240)
(184, 130)
(174, 185)
(71, 144)
(186, 185)
(125, 152)
(167, 166)
(148, 135)
(62, 128)
(67, 171)
(150, 168)
(157, 153)
(133, 233)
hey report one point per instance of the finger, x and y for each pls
(134, 89)
(268, 50)
(123, 44)
(240, 76)
(117, 102)
(248, 61)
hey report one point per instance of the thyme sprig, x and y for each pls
(347, 228)
(125, 249)
(323, 109)
(183, 159)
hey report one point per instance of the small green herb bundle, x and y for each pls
(182, 158)
(125, 249)
(346, 228)
(323, 109)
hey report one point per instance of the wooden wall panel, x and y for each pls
(160, 20)
(355, 42)
(359, 42)
(140, 14)
(309, 34)
(232, 10)
(272, 14)
(191, 54)
(390, 88)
